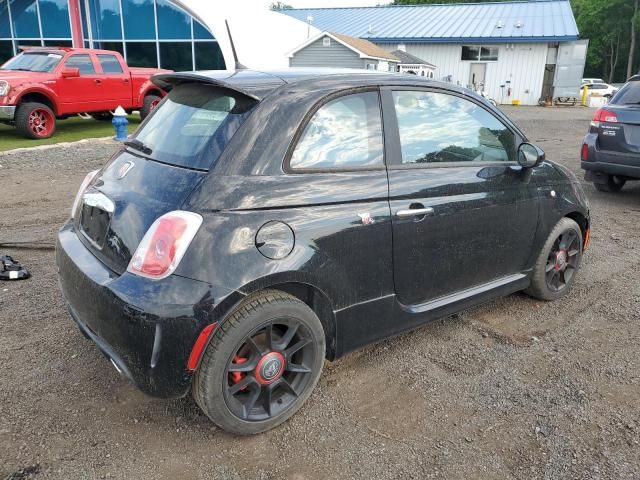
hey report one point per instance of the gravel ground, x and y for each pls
(513, 389)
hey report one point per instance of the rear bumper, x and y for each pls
(146, 328)
(7, 112)
(610, 163)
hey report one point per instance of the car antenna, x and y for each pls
(239, 66)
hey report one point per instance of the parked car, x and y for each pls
(41, 85)
(611, 149)
(602, 89)
(293, 216)
(588, 81)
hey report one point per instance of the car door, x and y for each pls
(116, 82)
(83, 93)
(463, 214)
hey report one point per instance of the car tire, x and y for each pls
(613, 184)
(261, 365)
(557, 265)
(150, 102)
(35, 120)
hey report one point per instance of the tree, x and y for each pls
(632, 47)
(278, 6)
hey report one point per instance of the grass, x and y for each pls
(70, 130)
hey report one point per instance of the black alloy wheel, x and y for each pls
(269, 370)
(563, 260)
(262, 363)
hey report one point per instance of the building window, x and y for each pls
(208, 56)
(200, 32)
(24, 14)
(142, 54)
(176, 56)
(173, 23)
(326, 42)
(479, 54)
(54, 16)
(105, 19)
(139, 19)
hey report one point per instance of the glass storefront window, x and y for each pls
(200, 32)
(6, 50)
(105, 19)
(25, 19)
(58, 43)
(176, 56)
(142, 54)
(5, 27)
(54, 16)
(139, 19)
(173, 23)
(208, 56)
(115, 46)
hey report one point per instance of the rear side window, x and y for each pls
(441, 128)
(629, 94)
(345, 134)
(110, 64)
(193, 125)
(82, 62)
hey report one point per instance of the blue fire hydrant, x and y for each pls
(120, 123)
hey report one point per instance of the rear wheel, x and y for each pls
(35, 120)
(261, 365)
(558, 263)
(612, 185)
(150, 102)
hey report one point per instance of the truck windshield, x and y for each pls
(33, 62)
(192, 127)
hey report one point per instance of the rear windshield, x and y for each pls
(193, 125)
(629, 94)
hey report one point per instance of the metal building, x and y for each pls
(149, 33)
(513, 48)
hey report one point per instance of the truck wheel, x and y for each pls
(612, 185)
(262, 364)
(150, 102)
(35, 120)
(558, 263)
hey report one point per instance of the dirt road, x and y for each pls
(513, 389)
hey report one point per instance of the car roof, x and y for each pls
(258, 84)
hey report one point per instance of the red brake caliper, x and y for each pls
(236, 377)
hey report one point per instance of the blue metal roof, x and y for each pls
(523, 21)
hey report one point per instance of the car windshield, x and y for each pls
(629, 94)
(33, 62)
(192, 127)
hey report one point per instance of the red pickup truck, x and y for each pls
(41, 85)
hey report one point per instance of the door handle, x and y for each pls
(414, 212)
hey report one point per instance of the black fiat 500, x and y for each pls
(259, 223)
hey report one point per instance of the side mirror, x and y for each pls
(70, 72)
(530, 156)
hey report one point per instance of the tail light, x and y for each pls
(603, 115)
(584, 155)
(85, 183)
(164, 245)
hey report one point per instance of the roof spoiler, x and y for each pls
(167, 81)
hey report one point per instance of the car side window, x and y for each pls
(345, 134)
(437, 128)
(83, 62)
(110, 64)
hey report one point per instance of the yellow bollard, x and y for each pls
(585, 90)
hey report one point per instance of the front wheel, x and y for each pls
(261, 365)
(557, 265)
(35, 120)
(613, 184)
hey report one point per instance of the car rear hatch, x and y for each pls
(618, 124)
(158, 169)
